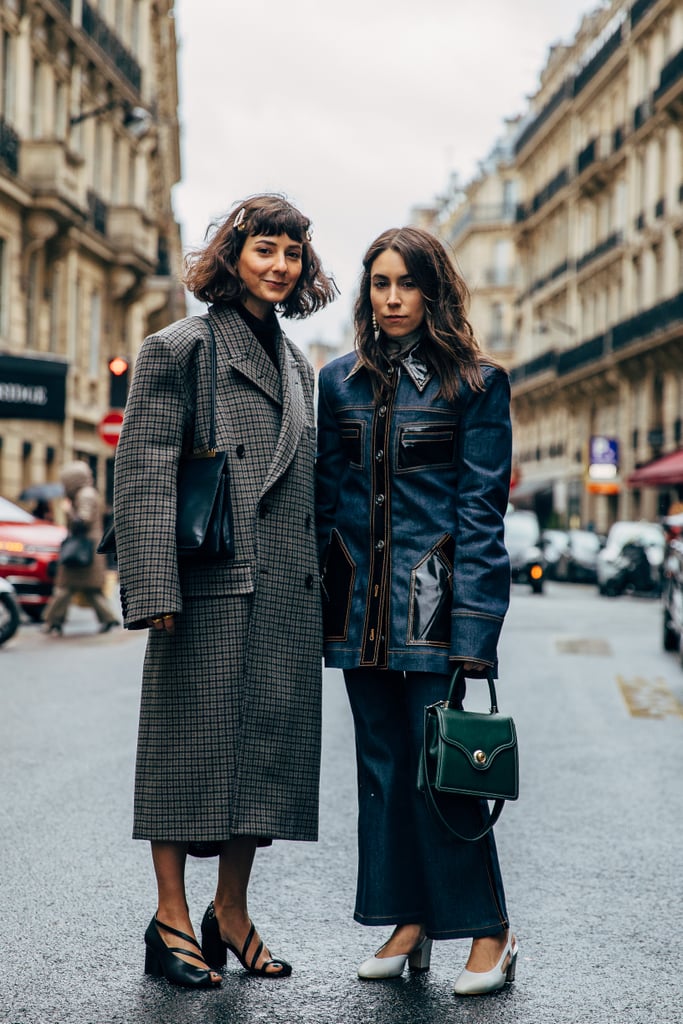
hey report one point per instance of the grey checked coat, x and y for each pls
(229, 739)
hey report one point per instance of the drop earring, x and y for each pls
(375, 327)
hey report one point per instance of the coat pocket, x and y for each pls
(339, 574)
(425, 446)
(430, 599)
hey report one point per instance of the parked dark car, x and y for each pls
(631, 560)
(578, 563)
(672, 596)
(522, 540)
(28, 556)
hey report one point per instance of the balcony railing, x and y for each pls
(657, 318)
(598, 61)
(611, 242)
(671, 72)
(483, 213)
(540, 364)
(543, 195)
(588, 352)
(9, 147)
(541, 282)
(555, 101)
(105, 37)
(661, 317)
(640, 9)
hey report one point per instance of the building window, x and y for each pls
(7, 95)
(37, 100)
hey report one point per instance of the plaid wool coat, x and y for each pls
(229, 737)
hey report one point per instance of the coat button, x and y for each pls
(239, 451)
(379, 546)
(379, 500)
(309, 581)
(379, 455)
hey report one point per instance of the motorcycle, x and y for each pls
(9, 611)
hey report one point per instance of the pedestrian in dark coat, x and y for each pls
(414, 446)
(84, 507)
(229, 737)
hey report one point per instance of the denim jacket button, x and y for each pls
(379, 546)
(379, 500)
(382, 410)
(379, 455)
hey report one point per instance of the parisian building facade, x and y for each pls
(597, 327)
(90, 251)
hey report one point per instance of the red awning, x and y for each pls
(664, 472)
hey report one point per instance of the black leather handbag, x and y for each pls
(204, 528)
(467, 754)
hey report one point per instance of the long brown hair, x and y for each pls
(211, 272)
(448, 339)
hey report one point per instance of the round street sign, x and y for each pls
(109, 427)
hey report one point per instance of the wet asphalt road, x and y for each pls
(592, 853)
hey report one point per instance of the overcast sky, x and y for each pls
(357, 110)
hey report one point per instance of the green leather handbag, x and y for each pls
(470, 754)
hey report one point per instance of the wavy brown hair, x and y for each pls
(211, 272)
(448, 339)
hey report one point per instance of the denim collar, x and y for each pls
(413, 362)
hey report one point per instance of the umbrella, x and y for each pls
(42, 492)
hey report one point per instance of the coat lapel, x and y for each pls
(293, 414)
(238, 346)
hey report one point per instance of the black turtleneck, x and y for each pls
(266, 331)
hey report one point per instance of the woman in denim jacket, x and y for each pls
(413, 480)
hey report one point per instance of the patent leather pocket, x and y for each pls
(425, 445)
(339, 574)
(430, 600)
(352, 433)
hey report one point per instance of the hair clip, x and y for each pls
(309, 235)
(237, 223)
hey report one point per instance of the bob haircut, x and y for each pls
(211, 272)
(448, 339)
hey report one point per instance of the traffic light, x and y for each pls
(118, 382)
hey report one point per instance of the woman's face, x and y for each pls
(269, 266)
(396, 300)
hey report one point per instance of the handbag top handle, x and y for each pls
(459, 674)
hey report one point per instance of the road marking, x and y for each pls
(649, 698)
(583, 645)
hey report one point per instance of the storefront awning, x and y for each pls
(664, 472)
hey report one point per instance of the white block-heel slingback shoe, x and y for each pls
(477, 983)
(378, 967)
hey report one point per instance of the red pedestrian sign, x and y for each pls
(109, 427)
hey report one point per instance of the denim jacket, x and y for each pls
(411, 494)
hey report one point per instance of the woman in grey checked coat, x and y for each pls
(229, 736)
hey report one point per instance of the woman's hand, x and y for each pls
(480, 667)
(163, 622)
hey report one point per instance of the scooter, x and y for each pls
(9, 611)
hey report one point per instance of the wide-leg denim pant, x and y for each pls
(409, 870)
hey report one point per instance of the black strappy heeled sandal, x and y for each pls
(215, 950)
(162, 961)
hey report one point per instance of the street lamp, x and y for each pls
(137, 120)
